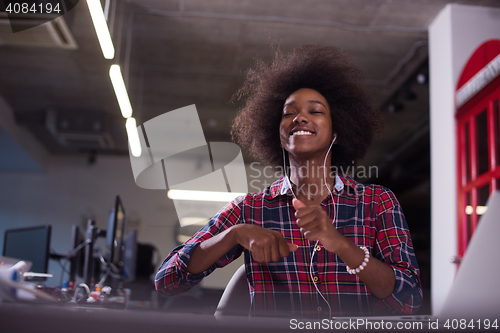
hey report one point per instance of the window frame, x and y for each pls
(467, 114)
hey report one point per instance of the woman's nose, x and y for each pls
(300, 118)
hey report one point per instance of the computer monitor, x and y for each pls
(115, 235)
(130, 256)
(31, 244)
(77, 257)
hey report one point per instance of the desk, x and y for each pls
(44, 318)
(38, 318)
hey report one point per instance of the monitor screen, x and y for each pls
(31, 244)
(130, 256)
(115, 234)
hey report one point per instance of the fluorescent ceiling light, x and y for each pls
(480, 210)
(133, 137)
(185, 221)
(203, 195)
(182, 238)
(120, 91)
(101, 28)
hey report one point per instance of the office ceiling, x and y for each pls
(177, 53)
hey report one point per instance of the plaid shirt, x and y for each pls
(368, 215)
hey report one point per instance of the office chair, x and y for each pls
(235, 301)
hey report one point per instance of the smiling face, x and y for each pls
(306, 124)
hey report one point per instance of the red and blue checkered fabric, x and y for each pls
(368, 215)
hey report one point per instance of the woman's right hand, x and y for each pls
(265, 245)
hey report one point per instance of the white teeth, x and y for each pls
(302, 133)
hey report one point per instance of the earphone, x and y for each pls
(335, 215)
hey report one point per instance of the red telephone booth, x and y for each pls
(478, 137)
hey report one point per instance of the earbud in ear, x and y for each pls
(334, 138)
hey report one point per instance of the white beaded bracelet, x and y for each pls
(363, 264)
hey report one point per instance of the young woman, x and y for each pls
(316, 243)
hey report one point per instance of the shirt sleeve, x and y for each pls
(395, 248)
(172, 277)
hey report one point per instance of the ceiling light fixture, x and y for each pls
(409, 95)
(203, 195)
(133, 137)
(421, 78)
(121, 92)
(190, 220)
(395, 107)
(101, 28)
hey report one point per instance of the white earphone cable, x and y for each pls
(333, 222)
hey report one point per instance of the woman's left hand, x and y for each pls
(315, 225)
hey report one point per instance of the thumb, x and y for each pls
(292, 247)
(297, 204)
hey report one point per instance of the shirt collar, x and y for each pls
(282, 186)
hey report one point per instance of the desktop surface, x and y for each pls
(55, 318)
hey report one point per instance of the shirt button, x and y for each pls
(315, 279)
(318, 248)
(319, 309)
